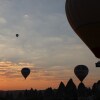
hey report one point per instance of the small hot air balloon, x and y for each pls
(17, 35)
(84, 18)
(25, 72)
(81, 71)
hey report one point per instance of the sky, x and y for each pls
(46, 44)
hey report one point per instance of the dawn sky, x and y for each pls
(46, 44)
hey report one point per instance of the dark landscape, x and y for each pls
(63, 92)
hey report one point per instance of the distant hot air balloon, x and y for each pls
(17, 35)
(81, 71)
(25, 72)
(84, 17)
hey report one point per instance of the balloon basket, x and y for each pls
(97, 64)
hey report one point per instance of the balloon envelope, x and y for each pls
(25, 72)
(17, 35)
(84, 18)
(81, 71)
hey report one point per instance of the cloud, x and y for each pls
(26, 16)
(12, 70)
(50, 73)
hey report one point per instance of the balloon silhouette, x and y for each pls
(84, 18)
(17, 35)
(25, 72)
(81, 71)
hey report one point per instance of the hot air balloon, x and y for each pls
(84, 18)
(81, 71)
(25, 72)
(17, 35)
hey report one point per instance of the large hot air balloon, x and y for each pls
(25, 72)
(84, 18)
(81, 71)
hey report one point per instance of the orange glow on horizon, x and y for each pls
(11, 78)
